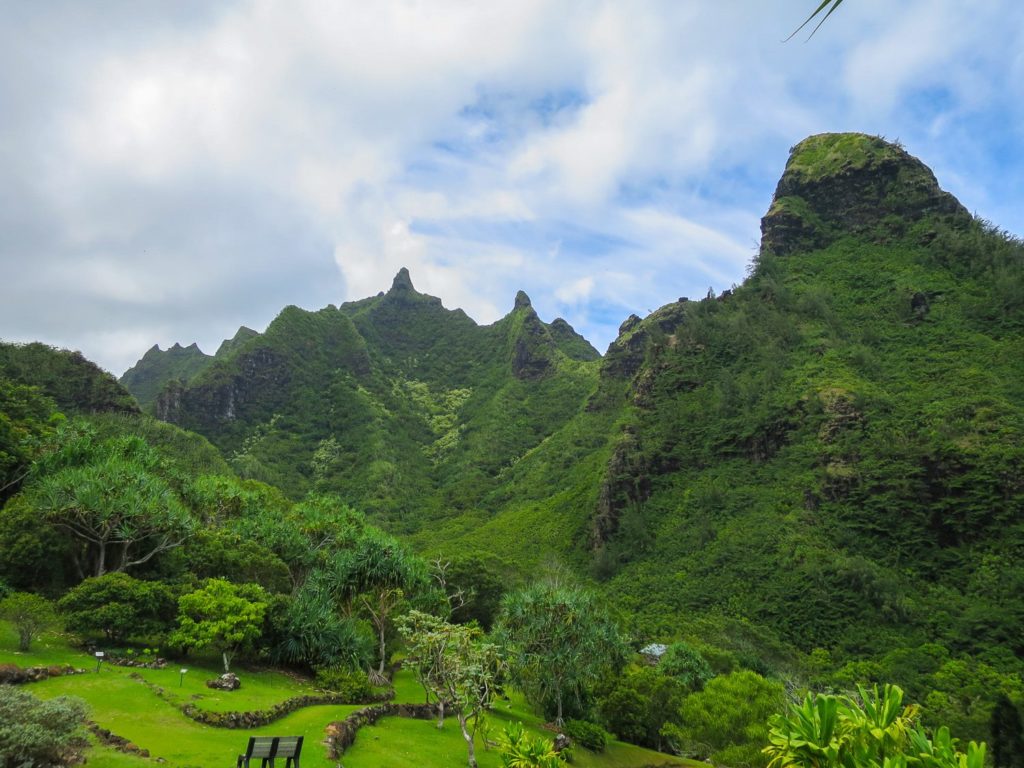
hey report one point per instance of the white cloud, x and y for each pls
(605, 157)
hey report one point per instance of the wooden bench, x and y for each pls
(267, 749)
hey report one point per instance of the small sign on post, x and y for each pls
(181, 677)
(99, 660)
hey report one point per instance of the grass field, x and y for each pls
(131, 709)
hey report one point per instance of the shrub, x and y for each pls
(308, 631)
(687, 665)
(353, 685)
(30, 614)
(727, 721)
(118, 606)
(520, 750)
(588, 735)
(39, 733)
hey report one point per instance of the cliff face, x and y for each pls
(157, 368)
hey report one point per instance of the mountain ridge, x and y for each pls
(828, 450)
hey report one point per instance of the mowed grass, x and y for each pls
(130, 709)
(398, 742)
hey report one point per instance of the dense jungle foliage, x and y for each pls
(811, 481)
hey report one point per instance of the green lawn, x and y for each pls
(130, 709)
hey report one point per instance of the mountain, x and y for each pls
(824, 457)
(157, 367)
(406, 408)
(829, 451)
(77, 385)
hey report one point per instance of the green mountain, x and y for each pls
(406, 408)
(157, 367)
(41, 386)
(827, 455)
(76, 384)
(831, 449)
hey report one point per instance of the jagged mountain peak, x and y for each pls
(838, 184)
(242, 335)
(402, 281)
(522, 300)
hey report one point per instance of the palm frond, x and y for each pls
(817, 12)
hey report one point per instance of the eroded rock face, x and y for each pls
(846, 183)
(626, 483)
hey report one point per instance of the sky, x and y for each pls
(172, 171)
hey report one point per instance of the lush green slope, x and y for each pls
(407, 409)
(830, 451)
(157, 367)
(76, 384)
(825, 457)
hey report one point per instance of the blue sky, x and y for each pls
(170, 172)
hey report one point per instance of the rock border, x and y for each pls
(255, 718)
(14, 675)
(341, 735)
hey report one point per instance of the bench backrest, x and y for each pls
(262, 746)
(289, 746)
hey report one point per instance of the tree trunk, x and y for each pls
(440, 714)
(24, 639)
(470, 747)
(101, 559)
(227, 662)
(383, 649)
(558, 697)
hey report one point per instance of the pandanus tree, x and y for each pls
(112, 499)
(560, 641)
(374, 575)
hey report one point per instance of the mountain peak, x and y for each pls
(522, 300)
(851, 183)
(402, 281)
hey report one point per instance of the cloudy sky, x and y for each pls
(172, 170)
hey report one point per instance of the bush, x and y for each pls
(39, 733)
(727, 721)
(687, 665)
(353, 685)
(30, 614)
(589, 735)
(308, 631)
(118, 606)
(520, 750)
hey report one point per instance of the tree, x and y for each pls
(374, 575)
(27, 418)
(837, 731)
(727, 720)
(456, 665)
(30, 614)
(110, 497)
(1007, 735)
(40, 733)
(560, 641)
(685, 664)
(220, 615)
(482, 583)
(640, 703)
(117, 606)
